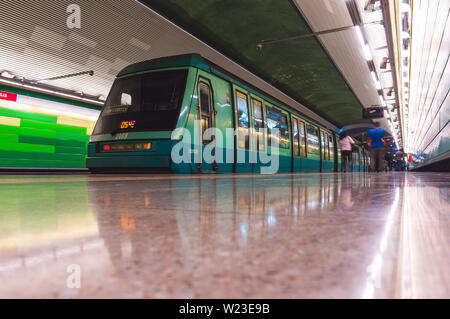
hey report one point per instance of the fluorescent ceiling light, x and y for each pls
(7, 75)
(50, 91)
(374, 76)
(367, 53)
(378, 85)
(375, 80)
(383, 103)
(360, 36)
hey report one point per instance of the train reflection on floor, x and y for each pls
(309, 235)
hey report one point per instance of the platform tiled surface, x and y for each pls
(286, 236)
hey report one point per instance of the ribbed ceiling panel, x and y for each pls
(112, 35)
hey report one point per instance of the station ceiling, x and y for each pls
(301, 68)
(324, 77)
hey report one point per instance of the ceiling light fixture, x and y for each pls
(383, 103)
(367, 53)
(360, 36)
(375, 80)
(7, 75)
(53, 92)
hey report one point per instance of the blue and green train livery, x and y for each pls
(152, 99)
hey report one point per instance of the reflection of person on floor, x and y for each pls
(345, 143)
(376, 143)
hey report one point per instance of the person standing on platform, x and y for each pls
(345, 144)
(375, 141)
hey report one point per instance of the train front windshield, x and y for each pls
(147, 102)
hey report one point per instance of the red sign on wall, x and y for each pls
(8, 96)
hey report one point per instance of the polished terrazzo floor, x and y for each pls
(353, 235)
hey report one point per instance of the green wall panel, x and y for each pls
(72, 136)
(12, 138)
(41, 156)
(42, 163)
(28, 115)
(53, 127)
(27, 131)
(5, 146)
(51, 141)
(70, 150)
(39, 142)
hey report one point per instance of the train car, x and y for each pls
(154, 105)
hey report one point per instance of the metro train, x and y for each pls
(151, 100)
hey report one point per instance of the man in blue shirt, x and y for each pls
(376, 143)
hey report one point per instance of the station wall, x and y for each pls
(36, 132)
(429, 106)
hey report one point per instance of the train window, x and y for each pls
(258, 118)
(331, 141)
(243, 120)
(312, 135)
(339, 154)
(301, 128)
(278, 121)
(126, 99)
(153, 100)
(327, 147)
(296, 137)
(323, 146)
(205, 107)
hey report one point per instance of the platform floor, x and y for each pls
(353, 235)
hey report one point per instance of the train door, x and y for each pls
(206, 116)
(331, 151)
(303, 149)
(278, 128)
(296, 159)
(338, 157)
(214, 110)
(259, 145)
(312, 162)
(322, 150)
(243, 148)
(326, 165)
(299, 144)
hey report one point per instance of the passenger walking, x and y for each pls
(345, 144)
(376, 143)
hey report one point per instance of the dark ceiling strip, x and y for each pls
(329, 56)
(91, 73)
(353, 11)
(246, 65)
(302, 36)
